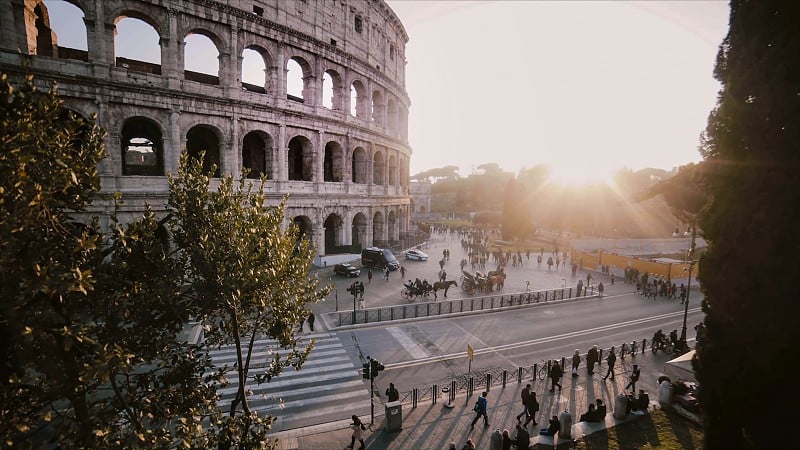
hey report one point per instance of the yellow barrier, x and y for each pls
(593, 261)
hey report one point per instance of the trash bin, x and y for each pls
(394, 416)
(565, 420)
(665, 393)
(621, 407)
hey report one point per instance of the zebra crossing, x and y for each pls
(329, 386)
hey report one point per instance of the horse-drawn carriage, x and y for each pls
(482, 283)
(412, 290)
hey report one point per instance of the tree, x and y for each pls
(749, 271)
(249, 279)
(447, 172)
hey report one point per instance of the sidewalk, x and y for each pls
(435, 426)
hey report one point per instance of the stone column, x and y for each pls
(319, 158)
(172, 52)
(347, 227)
(231, 159)
(370, 238)
(172, 153)
(281, 165)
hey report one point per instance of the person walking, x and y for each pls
(310, 321)
(555, 376)
(392, 395)
(576, 361)
(480, 410)
(533, 408)
(634, 377)
(386, 272)
(361, 290)
(611, 359)
(600, 289)
(526, 396)
(369, 275)
(403, 272)
(358, 429)
(592, 357)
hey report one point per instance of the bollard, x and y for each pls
(488, 382)
(665, 393)
(565, 420)
(496, 440)
(434, 393)
(519, 374)
(505, 377)
(414, 398)
(452, 391)
(470, 387)
(564, 364)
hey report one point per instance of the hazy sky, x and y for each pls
(586, 87)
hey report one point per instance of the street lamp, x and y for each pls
(692, 262)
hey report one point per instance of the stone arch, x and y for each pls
(333, 232)
(358, 100)
(391, 218)
(43, 37)
(201, 57)
(391, 116)
(332, 90)
(204, 138)
(333, 162)
(257, 154)
(377, 107)
(304, 227)
(254, 69)
(378, 168)
(137, 43)
(142, 147)
(392, 171)
(298, 85)
(359, 230)
(360, 166)
(378, 237)
(300, 159)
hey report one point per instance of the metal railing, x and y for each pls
(486, 379)
(438, 308)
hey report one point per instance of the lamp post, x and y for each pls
(692, 262)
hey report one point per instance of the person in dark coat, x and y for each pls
(555, 427)
(611, 359)
(392, 394)
(480, 410)
(576, 361)
(634, 377)
(310, 321)
(600, 410)
(523, 439)
(591, 359)
(533, 408)
(555, 376)
(590, 415)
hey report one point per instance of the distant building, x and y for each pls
(420, 200)
(337, 144)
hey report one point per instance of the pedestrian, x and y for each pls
(469, 445)
(452, 446)
(611, 359)
(533, 408)
(386, 272)
(576, 361)
(522, 440)
(444, 275)
(506, 440)
(311, 321)
(591, 359)
(600, 410)
(480, 410)
(555, 427)
(392, 395)
(369, 275)
(634, 377)
(441, 264)
(526, 396)
(403, 272)
(555, 376)
(600, 289)
(358, 429)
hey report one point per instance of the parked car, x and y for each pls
(416, 255)
(346, 270)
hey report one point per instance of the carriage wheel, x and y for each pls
(404, 294)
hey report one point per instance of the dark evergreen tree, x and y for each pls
(749, 349)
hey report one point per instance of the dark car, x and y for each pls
(346, 270)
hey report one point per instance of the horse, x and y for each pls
(497, 279)
(443, 285)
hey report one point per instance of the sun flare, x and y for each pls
(580, 174)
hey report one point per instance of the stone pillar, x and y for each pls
(229, 78)
(111, 165)
(172, 52)
(347, 227)
(280, 71)
(319, 236)
(281, 165)
(232, 156)
(370, 236)
(172, 153)
(96, 42)
(13, 34)
(319, 158)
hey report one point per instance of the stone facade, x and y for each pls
(420, 200)
(343, 160)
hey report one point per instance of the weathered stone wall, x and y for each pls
(355, 192)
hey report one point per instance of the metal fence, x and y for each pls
(485, 379)
(438, 308)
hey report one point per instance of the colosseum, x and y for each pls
(308, 93)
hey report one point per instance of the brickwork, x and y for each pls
(347, 171)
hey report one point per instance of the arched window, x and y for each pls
(392, 171)
(301, 159)
(333, 233)
(200, 139)
(378, 237)
(391, 116)
(360, 165)
(304, 227)
(333, 164)
(142, 148)
(358, 100)
(359, 232)
(377, 107)
(378, 169)
(201, 59)
(392, 222)
(295, 84)
(254, 71)
(257, 154)
(60, 30)
(327, 90)
(136, 45)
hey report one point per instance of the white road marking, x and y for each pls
(407, 343)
